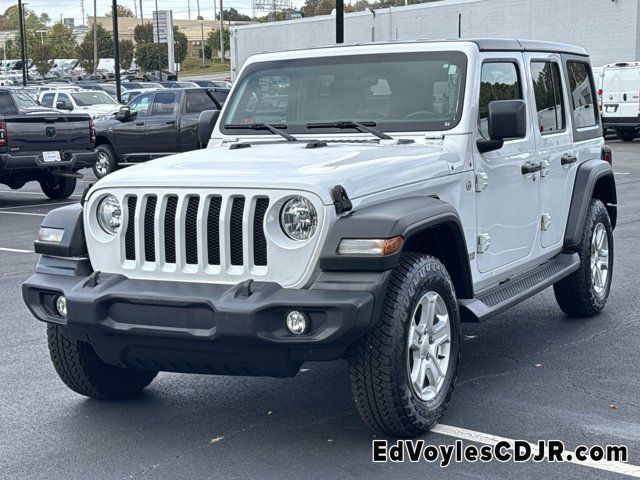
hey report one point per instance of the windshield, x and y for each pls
(24, 101)
(86, 99)
(399, 92)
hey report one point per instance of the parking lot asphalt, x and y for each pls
(530, 373)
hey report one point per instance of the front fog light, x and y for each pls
(61, 305)
(109, 214)
(297, 322)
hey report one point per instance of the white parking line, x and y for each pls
(488, 439)
(24, 213)
(36, 205)
(15, 250)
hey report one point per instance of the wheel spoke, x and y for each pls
(433, 374)
(418, 375)
(414, 338)
(428, 312)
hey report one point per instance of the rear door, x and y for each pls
(554, 142)
(196, 102)
(161, 127)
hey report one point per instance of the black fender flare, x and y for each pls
(406, 217)
(593, 178)
(73, 242)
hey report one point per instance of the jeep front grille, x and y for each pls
(196, 232)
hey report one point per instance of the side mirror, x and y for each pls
(507, 119)
(206, 122)
(124, 114)
(63, 106)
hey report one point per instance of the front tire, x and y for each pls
(403, 370)
(57, 187)
(106, 163)
(584, 293)
(83, 372)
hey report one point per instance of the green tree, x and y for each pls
(127, 50)
(61, 41)
(84, 51)
(213, 40)
(42, 57)
(143, 33)
(181, 45)
(123, 11)
(10, 19)
(233, 15)
(147, 56)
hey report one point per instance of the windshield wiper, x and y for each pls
(360, 126)
(276, 129)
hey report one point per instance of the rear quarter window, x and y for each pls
(6, 104)
(582, 94)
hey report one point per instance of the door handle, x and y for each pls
(568, 159)
(530, 168)
(139, 124)
(171, 122)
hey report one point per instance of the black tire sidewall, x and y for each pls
(56, 187)
(597, 214)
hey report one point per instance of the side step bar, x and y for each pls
(499, 299)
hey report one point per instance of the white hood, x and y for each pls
(362, 169)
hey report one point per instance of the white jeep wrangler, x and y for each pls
(354, 201)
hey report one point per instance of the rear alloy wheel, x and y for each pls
(627, 134)
(106, 162)
(57, 187)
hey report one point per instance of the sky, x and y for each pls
(71, 8)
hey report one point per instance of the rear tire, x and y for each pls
(627, 134)
(83, 372)
(403, 370)
(57, 187)
(584, 293)
(106, 163)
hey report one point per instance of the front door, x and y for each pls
(161, 129)
(507, 199)
(553, 136)
(129, 136)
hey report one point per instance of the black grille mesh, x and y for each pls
(170, 230)
(235, 230)
(191, 230)
(213, 231)
(130, 234)
(149, 229)
(259, 240)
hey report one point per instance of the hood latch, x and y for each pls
(340, 199)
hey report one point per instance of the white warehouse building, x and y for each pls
(608, 29)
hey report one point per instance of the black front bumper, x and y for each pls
(71, 161)
(195, 327)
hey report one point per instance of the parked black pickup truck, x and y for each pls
(153, 125)
(41, 144)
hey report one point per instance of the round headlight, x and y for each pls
(299, 218)
(110, 214)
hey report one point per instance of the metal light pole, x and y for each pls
(202, 40)
(339, 21)
(141, 15)
(95, 37)
(116, 50)
(23, 46)
(221, 33)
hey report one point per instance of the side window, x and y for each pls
(140, 105)
(198, 101)
(582, 102)
(47, 100)
(498, 81)
(163, 104)
(7, 106)
(64, 98)
(548, 92)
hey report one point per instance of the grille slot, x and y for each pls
(191, 230)
(213, 231)
(235, 231)
(170, 229)
(149, 229)
(259, 240)
(130, 234)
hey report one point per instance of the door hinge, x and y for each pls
(482, 180)
(484, 242)
(544, 168)
(545, 222)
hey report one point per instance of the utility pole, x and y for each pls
(158, 39)
(141, 15)
(82, 8)
(339, 21)
(95, 37)
(198, 4)
(202, 44)
(116, 50)
(221, 33)
(23, 46)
